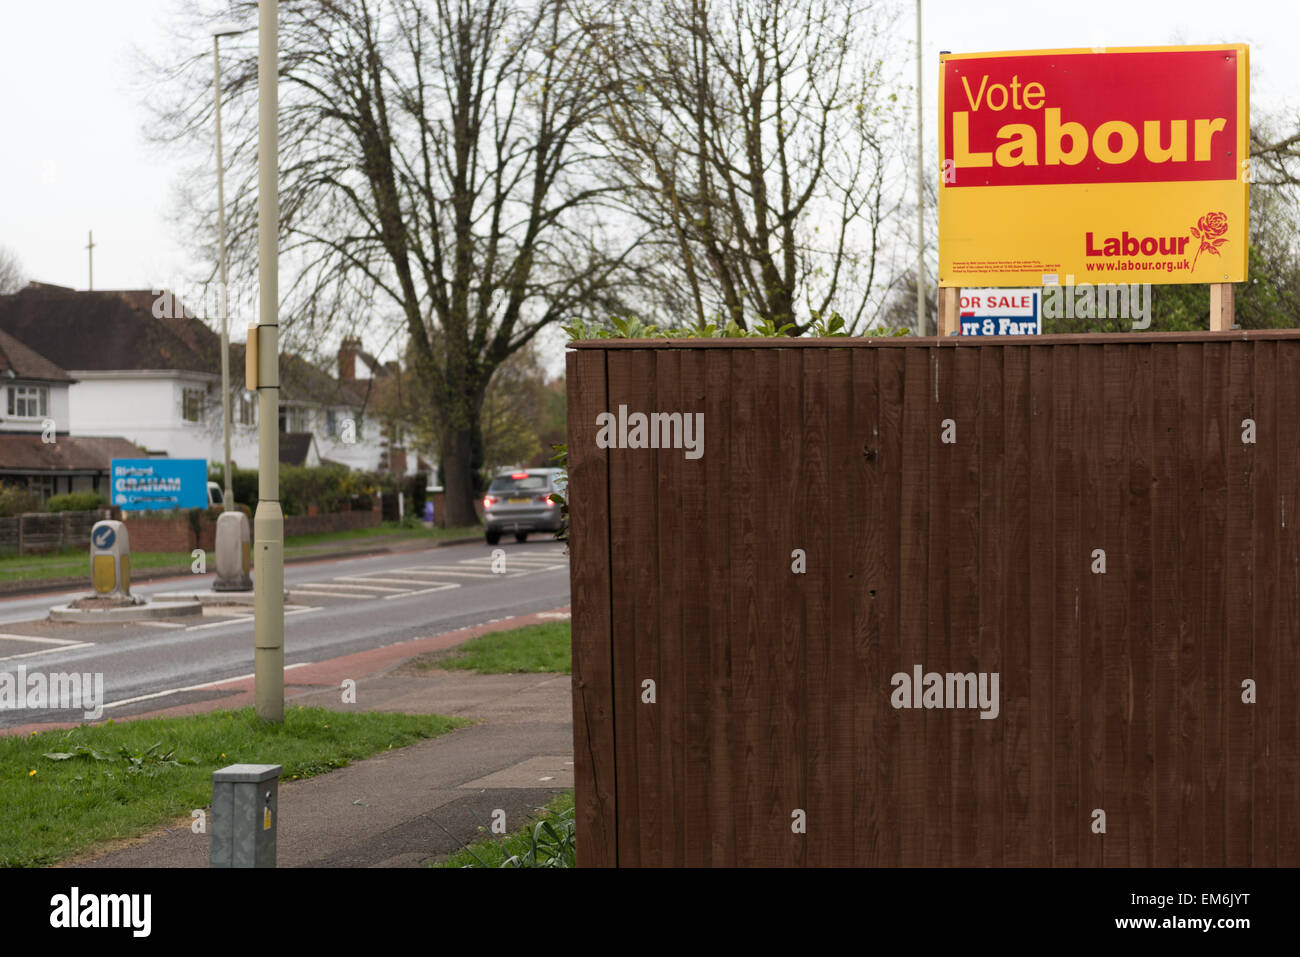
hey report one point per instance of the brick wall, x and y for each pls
(175, 534)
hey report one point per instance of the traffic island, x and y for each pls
(97, 609)
(110, 577)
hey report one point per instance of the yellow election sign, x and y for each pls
(1121, 165)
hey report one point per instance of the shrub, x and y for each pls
(76, 502)
(15, 500)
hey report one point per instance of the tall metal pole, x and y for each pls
(268, 521)
(227, 498)
(920, 189)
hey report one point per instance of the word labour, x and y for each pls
(948, 690)
(1065, 141)
(655, 430)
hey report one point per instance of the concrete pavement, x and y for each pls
(407, 807)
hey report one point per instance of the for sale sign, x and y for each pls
(1119, 166)
(999, 312)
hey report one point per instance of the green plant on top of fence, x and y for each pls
(831, 325)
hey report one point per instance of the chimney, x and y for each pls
(348, 350)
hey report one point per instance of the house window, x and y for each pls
(332, 423)
(192, 405)
(246, 406)
(28, 401)
(293, 418)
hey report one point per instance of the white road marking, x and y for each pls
(40, 641)
(351, 584)
(324, 591)
(47, 651)
(424, 591)
(161, 624)
(223, 622)
(207, 684)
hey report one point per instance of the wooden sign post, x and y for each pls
(949, 309)
(1221, 306)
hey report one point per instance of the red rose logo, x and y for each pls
(1209, 229)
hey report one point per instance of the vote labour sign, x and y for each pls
(1117, 166)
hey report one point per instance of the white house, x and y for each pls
(36, 450)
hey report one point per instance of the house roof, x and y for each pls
(294, 447)
(118, 330)
(101, 331)
(26, 452)
(23, 363)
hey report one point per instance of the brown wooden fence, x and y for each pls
(1120, 691)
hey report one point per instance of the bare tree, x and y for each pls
(431, 175)
(12, 276)
(752, 136)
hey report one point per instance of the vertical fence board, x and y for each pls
(919, 430)
(1218, 429)
(1191, 561)
(1166, 599)
(818, 766)
(717, 417)
(634, 541)
(841, 587)
(593, 694)
(1139, 443)
(1277, 683)
(1071, 692)
(697, 558)
(965, 575)
(1051, 756)
(888, 491)
(1239, 601)
(668, 676)
(1020, 843)
(939, 404)
(747, 550)
(794, 499)
(772, 809)
(857, 484)
(990, 599)
(1271, 422)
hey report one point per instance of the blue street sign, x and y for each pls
(105, 537)
(160, 483)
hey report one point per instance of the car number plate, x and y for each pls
(519, 501)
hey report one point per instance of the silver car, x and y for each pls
(521, 502)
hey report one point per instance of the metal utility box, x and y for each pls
(245, 815)
(110, 559)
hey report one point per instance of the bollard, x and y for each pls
(110, 560)
(233, 555)
(245, 815)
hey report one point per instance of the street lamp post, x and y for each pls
(268, 521)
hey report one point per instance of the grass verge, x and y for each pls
(75, 562)
(545, 841)
(117, 787)
(546, 647)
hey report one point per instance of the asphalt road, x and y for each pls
(336, 608)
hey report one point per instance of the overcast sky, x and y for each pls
(73, 156)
